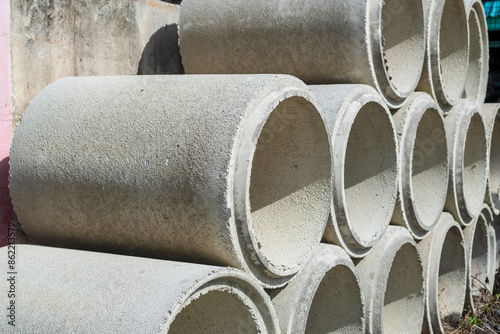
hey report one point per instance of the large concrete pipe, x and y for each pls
(488, 217)
(54, 290)
(227, 170)
(445, 269)
(364, 159)
(467, 154)
(423, 165)
(373, 42)
(324, 297)
(477, 237)
(393, 284)
(491, 117)
(447, 52)
(477, 74)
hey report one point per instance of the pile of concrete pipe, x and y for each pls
(337, 155)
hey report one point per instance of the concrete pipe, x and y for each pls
(466, 136)
(364, 161)
(496, 226)
(393, 284)
(491, 117)
(479, 255)
(488, 217)
(477, 74)
(447, 56)
(226, 170)
(445, 269)
(423, 165)
(58, 290)
(324, 297)
(373, 42)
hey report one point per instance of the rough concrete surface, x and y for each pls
(228, 170)
(393, 284)
(324, 297)
(492, 121)
(467, 147)
(445, 271)
(68, 291)
(423, 165)
(447, 52)
(379, 43)
(364, 162)
(54, 39)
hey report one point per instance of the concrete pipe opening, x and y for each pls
(474, 165)
(337, 304)
(478, 259)
(494, 180)
(403, 43)
(290, 184)
(451, 276)
(403, 294)
(475, 71)
(453, 49)
(370, 173)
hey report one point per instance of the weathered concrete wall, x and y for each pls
(53, 39)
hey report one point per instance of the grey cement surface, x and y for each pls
(226, 170)
(492, 123)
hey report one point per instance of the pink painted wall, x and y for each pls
(6, 212)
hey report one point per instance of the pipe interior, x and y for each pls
(370, 172)
(452, 276)
(453, 48)
(403, 42)
(429, 180)
(475, 57)
(475, 165)
(290, 183)
(479, 259)
(215, 312)
(337, 306)
(495, 163)
(404, 299)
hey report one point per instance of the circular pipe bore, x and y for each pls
(477, 74)
(443, 254)
(423, 165)
(324, 297)
(228, 170)
(378, 43)
(393, 283)
(466, 135)
(492, 122)
(364, 149)
(135, 295)
(447, 58)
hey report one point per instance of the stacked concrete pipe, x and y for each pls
(477, 74)
(324, 297)
(467, 147)
(70, 291)
(447, 52)
(393, 284)
(364, 165)
(226, 170)
(488, 216)
(445, 272)
(491, 117)
(373, 42)
(423, 165)
(480, 253)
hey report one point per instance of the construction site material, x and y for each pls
(445, 272)
(364, 162)
(69, 291)
(423, 165)
(492, 121)
(393, 284)
(227, 170)
(378, 43)
(447, 52)
(480, 259)
(477, 74)
(467, 147)
(324, 297)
